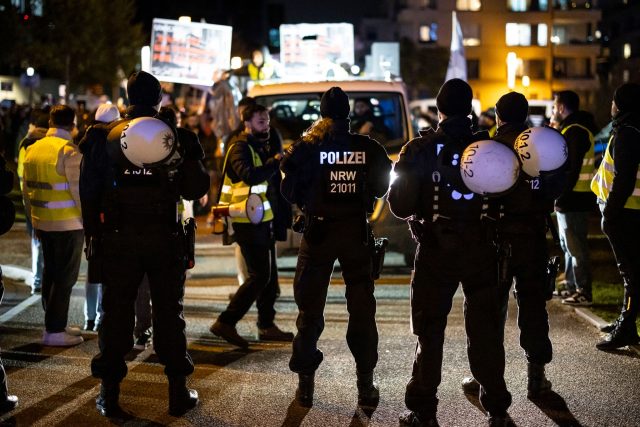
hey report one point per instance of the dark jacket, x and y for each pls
(625, 150)
(239, 167)
(527, 199)
(578, 144)
(412, 192)
(304, 179)
(282, 216)
(98, 169)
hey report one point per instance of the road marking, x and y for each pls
(19, 308)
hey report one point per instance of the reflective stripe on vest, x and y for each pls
(587, 170)
(48, 192)
(603, 181)
(239, 191)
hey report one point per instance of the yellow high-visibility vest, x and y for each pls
(239, 191)
(49, 194)
(603, 181)
(587, 170)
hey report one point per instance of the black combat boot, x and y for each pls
(181, 398)
(537, 383)
(624, 334)
(304, 393)
(368, 392)
(107, 400)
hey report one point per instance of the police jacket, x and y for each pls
(528, 198)
(338, 176)
(7, 210)
(624, 150)
(115, 195)
(579, 145)
(428, 182)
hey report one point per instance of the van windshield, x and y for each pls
(377, 114)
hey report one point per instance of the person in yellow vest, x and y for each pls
(576, 201)
(248, 169)
(617, 186)
(38, 125)
(52, 200)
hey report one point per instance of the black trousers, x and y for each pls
(62, 252)
(528, 271)
(126, 259)
(341, 240)
(623, 233)
(261, 285)
(4, 392)
(451, 254)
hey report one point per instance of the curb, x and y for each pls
(598, 322)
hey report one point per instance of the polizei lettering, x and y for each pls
(342, 157)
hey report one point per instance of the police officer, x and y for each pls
(447, 220)
(576, 201)
(522, 236)
(334, 177)
(8, 402)
(249, 169)
(617, 185)
(130, 218)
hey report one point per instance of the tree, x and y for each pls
(423, 68)
(85, 42)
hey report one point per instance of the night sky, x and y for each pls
(252, 19)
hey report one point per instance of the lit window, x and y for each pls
(542, 34)
(471, 35)
(627, 50)
(428, 33)
(523, 34)
(527, 5)
(470, 5)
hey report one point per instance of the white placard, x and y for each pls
(189, 52)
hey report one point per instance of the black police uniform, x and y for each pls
(522, 232)
(7, 215)
(453, 247)
(132, 213)
(334, 182)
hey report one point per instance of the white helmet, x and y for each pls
(489, 167)
(541, 149)
(148, 142)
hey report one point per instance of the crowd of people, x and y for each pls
(96, 187)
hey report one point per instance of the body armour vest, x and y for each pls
(339, 174)
(136, 195)
(451, 199)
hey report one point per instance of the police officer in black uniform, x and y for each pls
(130, 219)
(334, 177)
(522, 230)
(454, 246)
(8, 402)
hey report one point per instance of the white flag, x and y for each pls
(457, 64)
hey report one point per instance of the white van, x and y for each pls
(294, 106)
(425, 111)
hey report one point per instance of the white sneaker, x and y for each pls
(60, 339)
(73, 330)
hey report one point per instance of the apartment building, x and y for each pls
(620, 35)
(551, 44)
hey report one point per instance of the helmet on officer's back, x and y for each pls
(146, 142)
(541, 149)
(489, 168)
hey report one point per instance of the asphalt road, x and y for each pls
(256, 388)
